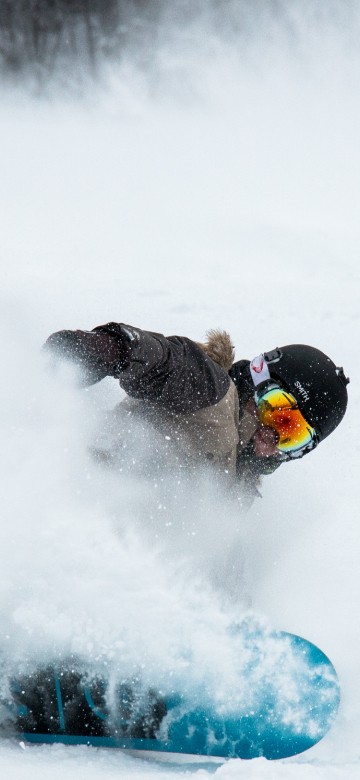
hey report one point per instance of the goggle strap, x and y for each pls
(259, 370)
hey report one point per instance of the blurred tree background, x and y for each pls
(69, 37)
(66, 41)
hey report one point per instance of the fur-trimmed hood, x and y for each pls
(218, 346)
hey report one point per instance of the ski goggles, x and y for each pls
(278, 409)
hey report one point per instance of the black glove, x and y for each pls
(97, 353)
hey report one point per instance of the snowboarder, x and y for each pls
(245, 417)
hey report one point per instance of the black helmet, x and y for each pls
(317, 384)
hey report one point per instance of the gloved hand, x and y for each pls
(97, 353)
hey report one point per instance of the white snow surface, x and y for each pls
(216, 184)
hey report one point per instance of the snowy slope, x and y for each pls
(217, 187)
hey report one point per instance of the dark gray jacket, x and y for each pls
(183, 388)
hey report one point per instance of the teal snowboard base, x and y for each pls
(289, 699)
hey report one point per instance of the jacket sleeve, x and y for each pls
(173, 372)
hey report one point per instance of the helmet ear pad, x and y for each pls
(317, 384)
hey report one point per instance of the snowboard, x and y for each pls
(287, 701)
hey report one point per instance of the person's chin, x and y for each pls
(263, 450)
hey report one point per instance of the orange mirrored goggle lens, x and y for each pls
(278, 409)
